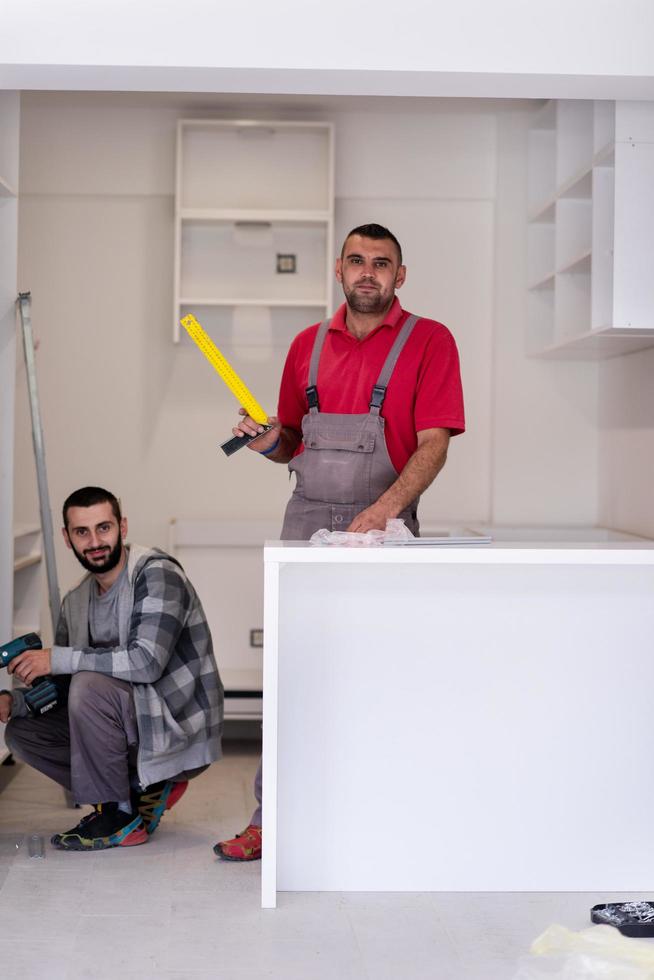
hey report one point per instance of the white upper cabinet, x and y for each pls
(253, 224)
(590, 229)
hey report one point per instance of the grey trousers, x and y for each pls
(256, 816)
(89, 747)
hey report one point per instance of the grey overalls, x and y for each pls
(345, 466)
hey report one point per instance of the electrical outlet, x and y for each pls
(286, 263)
(256, 638)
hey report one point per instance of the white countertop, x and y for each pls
(637, 552)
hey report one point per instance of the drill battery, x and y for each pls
(42, 695)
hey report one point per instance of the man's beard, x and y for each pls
(111, 559)
(372, 302)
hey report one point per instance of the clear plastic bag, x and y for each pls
(396, 530)
(597, 953)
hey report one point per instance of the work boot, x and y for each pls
(153, 802)
(246, 846)
(106, 826)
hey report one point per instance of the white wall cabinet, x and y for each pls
(590, 229)
(249, 196)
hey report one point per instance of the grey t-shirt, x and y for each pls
(103, 612)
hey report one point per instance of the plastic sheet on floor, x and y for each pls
(597, 953)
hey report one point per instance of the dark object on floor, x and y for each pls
(630, 918)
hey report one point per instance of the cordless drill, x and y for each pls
(41, 696)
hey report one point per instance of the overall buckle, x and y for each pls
(378, 395)
(312, 396)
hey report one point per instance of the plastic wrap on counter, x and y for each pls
(396, 530)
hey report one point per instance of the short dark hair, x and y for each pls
(374, 231)
(88, 497)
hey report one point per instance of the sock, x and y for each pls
(125, 806)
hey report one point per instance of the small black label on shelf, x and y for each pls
(286, 263)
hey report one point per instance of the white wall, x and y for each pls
(626, 442)
(431, 178)
(124, 407)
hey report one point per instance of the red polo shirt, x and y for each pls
(424, 391)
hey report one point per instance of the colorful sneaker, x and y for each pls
(153, 803)
(244, 847)
(106, 826)
(74, 830)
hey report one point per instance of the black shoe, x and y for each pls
(74, 830)
(106, 826)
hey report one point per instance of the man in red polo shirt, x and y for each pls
(367, 405)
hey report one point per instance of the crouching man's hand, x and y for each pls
(31, 665)
(5, 707)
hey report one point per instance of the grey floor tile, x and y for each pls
(120, 944)
(33, 960)
(296, 960)
(403, 942)
(171, 910)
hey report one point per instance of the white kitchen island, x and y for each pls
(473, 718)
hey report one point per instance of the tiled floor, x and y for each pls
(169, 910)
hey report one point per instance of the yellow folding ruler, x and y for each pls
(237, 387)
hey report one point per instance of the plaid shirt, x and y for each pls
(165, 652)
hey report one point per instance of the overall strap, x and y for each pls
(379, 390)
(312, 391)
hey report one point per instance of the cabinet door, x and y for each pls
(633, 283)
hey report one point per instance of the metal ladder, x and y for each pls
(25, 310)
(24, 302)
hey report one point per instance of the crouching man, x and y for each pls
(133, 662)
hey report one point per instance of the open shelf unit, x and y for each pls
(247, 192)
(27, 579)
(26, 611)
(590, 229)
(9, 186)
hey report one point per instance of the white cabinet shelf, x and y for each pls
(26, 611)
(578, 263)
(6, 190)
(244, 217)
(21, 563)
(250, 302)
(590, 230)
(248, 192)
(27, 579)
